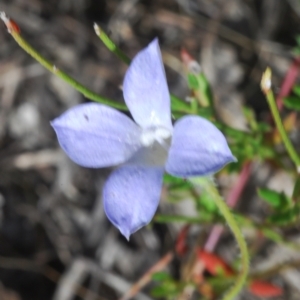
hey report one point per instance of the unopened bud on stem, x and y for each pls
(266, 82)
(97, 29)
(11, 25)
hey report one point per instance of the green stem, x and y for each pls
(219, 201)
(243, 221)
(110, 45)
(266, 87)
(71, 81)
(160, 218)
(287, 143)
(241, 280)
(178, 105)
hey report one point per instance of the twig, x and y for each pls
(146, 278)
(288, 82)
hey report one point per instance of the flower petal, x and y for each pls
(95, 135)
(145, 89)
(198, 148)
(131, 196)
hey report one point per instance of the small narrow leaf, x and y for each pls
(214, 264)
(296, 88)
(284, 218)
(265, 289)
(275, 199)
(179, 105)
(161, 276)
(192, 81)
(292, 102)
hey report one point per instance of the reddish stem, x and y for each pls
(288, 82)
(231, 200)
(146, 278)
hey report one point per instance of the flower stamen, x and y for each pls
(159, 134)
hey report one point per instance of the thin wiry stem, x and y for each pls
(266, 88)
(209, 186)
(15, 33)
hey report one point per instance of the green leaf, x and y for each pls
(275, 199)
(163, 292)
(292, 102)
(159, 291)
(179, 105)
(192, 81)
(206, 202)
(250, 116)
(206, 112)
(296, 89)
(263, 127)
(169, 179)
(265, 152)
(161, 276)
(199, 84)
(296, 51)
(284, 218)
(166, 289)
(205, 88)
(194, 105)
(175, 183)
(298, 40)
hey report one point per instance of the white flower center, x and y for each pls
(159, 134)
(155, 142)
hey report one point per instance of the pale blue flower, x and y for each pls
(97, 136)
